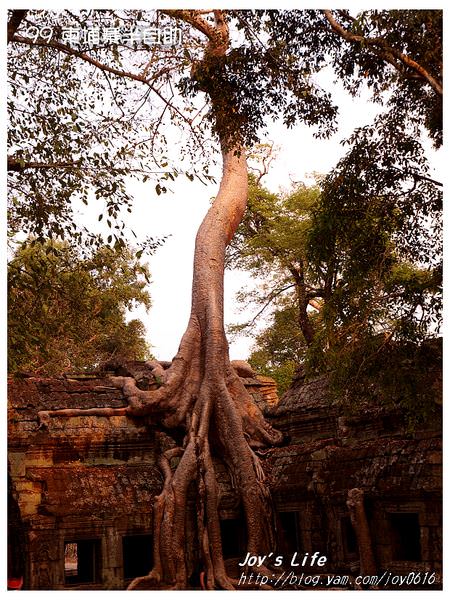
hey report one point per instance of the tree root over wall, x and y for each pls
(201, 392)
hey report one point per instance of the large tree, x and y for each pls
(200, 391)
(259, 71)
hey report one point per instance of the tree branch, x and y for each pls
(14, 22)
(268, 300)
(14, 164)
(217, 34)
(96, 63)
(315, 304)
(194, 18)
(387, 52)
(416, 176)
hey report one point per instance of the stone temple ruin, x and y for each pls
(81, 490)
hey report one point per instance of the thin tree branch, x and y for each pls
(269, 299)
(419, 176)
(389, 53)
(99, 65)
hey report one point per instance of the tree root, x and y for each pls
(234, 426)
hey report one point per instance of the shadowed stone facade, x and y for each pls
(81, 490)
(328, 455)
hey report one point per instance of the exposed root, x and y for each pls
(44, 416)
(236, 426)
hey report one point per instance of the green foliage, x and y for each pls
(377, 370)
(77, 134)
(271, 244)
(78, 129)
(67, 312)
(279, 348)
(273, 232)
(255, 82)
(416, 33)
(376, 234)
(368, 245)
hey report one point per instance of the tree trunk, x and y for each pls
(216, 408)
(202, 393)
(214, 405)
(306, 327)
(358, 518)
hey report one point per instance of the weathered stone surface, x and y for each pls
(88, 477)
(101, 491)
(243, 368)
(95, 478)
(330, 453)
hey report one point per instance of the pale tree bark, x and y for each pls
(202, 393)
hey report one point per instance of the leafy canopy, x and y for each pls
(376, 233)
(67, 312)
(85, 117)
(279, 347)
(271, 244)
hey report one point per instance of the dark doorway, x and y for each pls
(289, 541)
(233, 536)
(82, 561)
(137, 555)
(349, 539)
(405, 531)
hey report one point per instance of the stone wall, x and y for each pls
(90, 478)
(329, 454)
(86, 479)
(90, 482)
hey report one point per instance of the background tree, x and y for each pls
(377, 232)
(374, 244)
(279, 348)
(271, 245)
(271, 242)
(67, 312)
(366, 249)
